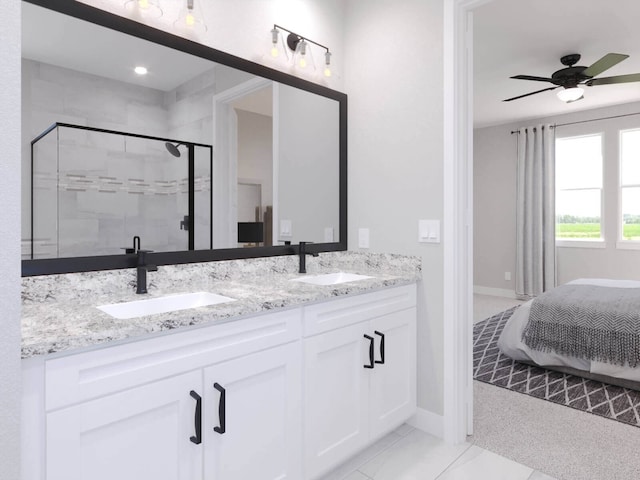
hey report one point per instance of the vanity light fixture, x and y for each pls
(191, 18)
(300, 47)
(148, 8)
(140, 70)
(571, 94)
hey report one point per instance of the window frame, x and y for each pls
(586, 242)
(621, 243)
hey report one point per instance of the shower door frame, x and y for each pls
(190, 167)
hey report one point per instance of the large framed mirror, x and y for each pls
(206, 157)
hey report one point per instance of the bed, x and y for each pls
(524, 335)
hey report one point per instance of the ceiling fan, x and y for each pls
(572, 76)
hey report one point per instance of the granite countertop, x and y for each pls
(59, 312)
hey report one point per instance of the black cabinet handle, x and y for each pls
(197, 419)
(381, 361)
(222, 414)
(371, 361)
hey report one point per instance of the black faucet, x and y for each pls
(136, 246)
(302, 253)
(142, 269)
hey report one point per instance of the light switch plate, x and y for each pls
(429, 231)
(363, 238)
(285, 228)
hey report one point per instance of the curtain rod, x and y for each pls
(587, 121)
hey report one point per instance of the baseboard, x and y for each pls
(494, 292)
(428, 422)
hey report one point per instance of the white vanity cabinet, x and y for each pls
(143, 432)
(360, 373)
(283, 395)
(230, 409)
(253, 431)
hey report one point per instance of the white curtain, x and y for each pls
(535, 211)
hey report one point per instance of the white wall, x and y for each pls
(10, 120)
(255, 152)
(394, 80)
(495, 193)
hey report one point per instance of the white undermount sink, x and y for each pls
(168, 303)
(331, 278)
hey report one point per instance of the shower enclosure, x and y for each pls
(93, 190)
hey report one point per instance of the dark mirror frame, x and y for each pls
(135, 29)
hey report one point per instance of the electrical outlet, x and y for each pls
(507, 275)
(285, 228)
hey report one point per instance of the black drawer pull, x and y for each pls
(222, 414)
(371, 361)
(197, 419)
(381, 361)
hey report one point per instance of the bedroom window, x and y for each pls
(629, 231)
(579, 190)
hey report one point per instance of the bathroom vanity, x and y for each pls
(287, 381)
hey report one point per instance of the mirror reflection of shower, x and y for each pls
(173, 148)
(93, 189)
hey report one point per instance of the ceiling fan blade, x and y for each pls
(531, 77)
(633, 77)
(527, 94)
(605, 63)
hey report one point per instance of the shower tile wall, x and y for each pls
(112, 187)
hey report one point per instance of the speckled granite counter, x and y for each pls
(59, 314)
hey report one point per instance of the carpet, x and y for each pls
(492, 367)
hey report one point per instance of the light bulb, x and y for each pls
(327, 64)
(140, 70)
(274, 42)
(148, 8)
(570, 94)
(302, 61)
(190, 20)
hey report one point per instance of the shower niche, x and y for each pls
(93, 190)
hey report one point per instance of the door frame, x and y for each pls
(224, 175)
(458, 207)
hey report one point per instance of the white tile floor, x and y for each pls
(409, 454)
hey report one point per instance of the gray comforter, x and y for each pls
(587, 321)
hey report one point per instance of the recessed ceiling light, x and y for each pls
(140, 70)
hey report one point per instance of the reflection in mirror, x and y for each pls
(266, 169)
(93, 188)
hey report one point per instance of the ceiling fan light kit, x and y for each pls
(573, 77)
(570, 94)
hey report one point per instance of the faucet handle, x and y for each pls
(135, 248)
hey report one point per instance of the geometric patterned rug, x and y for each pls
(491, 366)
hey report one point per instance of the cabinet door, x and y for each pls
(257, 400)
(393, 383)
(144, 432)
(335, 397)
